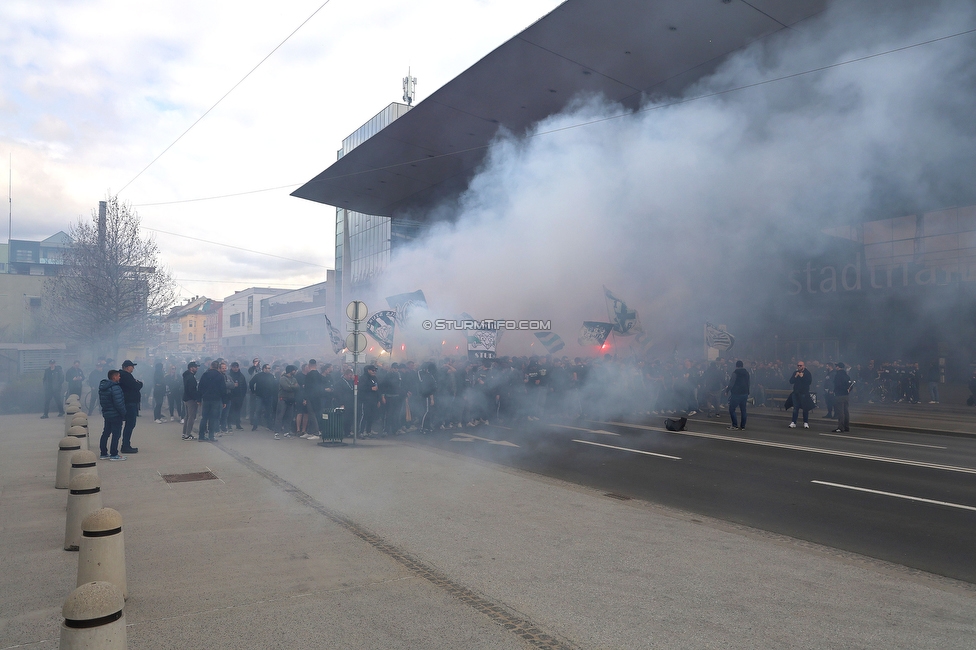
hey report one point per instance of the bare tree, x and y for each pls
(112, 286)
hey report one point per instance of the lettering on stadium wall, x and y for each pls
(859, 276)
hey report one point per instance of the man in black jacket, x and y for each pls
(53, 381)
(191, 399)
(237, 396)
(738, 390)
(842, 389)
(132, 391)
(212, 389)
(264, 390)
(801, 380)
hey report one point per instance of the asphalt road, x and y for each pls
(907, 498)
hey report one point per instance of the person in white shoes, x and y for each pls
(801, 380)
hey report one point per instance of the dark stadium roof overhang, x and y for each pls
(624, 49)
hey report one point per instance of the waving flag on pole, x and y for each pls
(380, 326)
(334, 336)
(402, 304)
(594, 333)
(717, 337)
(551, 340)
(626, 322)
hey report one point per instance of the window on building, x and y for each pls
(189, 337)
(235, 320)
(191, 323)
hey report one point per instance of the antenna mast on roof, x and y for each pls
(409, 88)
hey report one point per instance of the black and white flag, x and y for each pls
(381, 326)
(718, 337)
(594, 333)
(334, 336)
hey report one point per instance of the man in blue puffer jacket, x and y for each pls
(112, 401)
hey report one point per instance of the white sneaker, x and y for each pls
(287, 435)
(158, 421)
(806, 425)
(277, 437)
(182, 421)
(792, 425)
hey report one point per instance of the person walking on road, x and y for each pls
(842, 391)
(738, 390)
(801, 380)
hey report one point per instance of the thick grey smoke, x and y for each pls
(686, 210)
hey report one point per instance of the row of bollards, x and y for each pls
(94, 617)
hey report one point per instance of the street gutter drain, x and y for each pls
(618, 497)
(187, 478)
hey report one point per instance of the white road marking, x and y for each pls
(606, 433)
(890, 442)
(459, 437)
(812, 450)
(636, 451)
(900, 496)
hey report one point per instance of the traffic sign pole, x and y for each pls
(356, 342)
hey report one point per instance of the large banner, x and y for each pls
(594, 333)
(482, 344)
(380, 326)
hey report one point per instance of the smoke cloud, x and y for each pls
(684, 207)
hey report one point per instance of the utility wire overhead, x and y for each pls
(246, 250)
(233, 88)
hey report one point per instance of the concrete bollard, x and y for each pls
(66, 449)
(82, 434)
(76, 420)
(102, 550)
(82, 462)
(84, 498)
(94, 618)
(71, 409)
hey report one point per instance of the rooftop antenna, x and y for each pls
(409, 88)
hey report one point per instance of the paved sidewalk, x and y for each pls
(391, 545)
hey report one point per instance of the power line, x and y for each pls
(590, 122)
(246, 250)
(233, 88)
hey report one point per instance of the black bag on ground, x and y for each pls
(675, 425)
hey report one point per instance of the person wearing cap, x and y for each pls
(53, 381)
(132, 390)
(191, 399)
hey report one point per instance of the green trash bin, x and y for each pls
(330, 426)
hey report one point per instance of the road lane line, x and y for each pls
(893, 494)
(566, 426)
(890, 442)
(813, 450)
(636, 451)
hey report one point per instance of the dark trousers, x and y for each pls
(369, 411)
(210, 418)
(234, 414)
(113, 427)
(190, 417)
(427, 421)
(842, 408)
(159, 393)
(830, 400)
(394, 414)
(131, 413)
(52, 393)
(284, 417)
(738, 402)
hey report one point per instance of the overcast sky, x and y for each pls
(92, 91)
